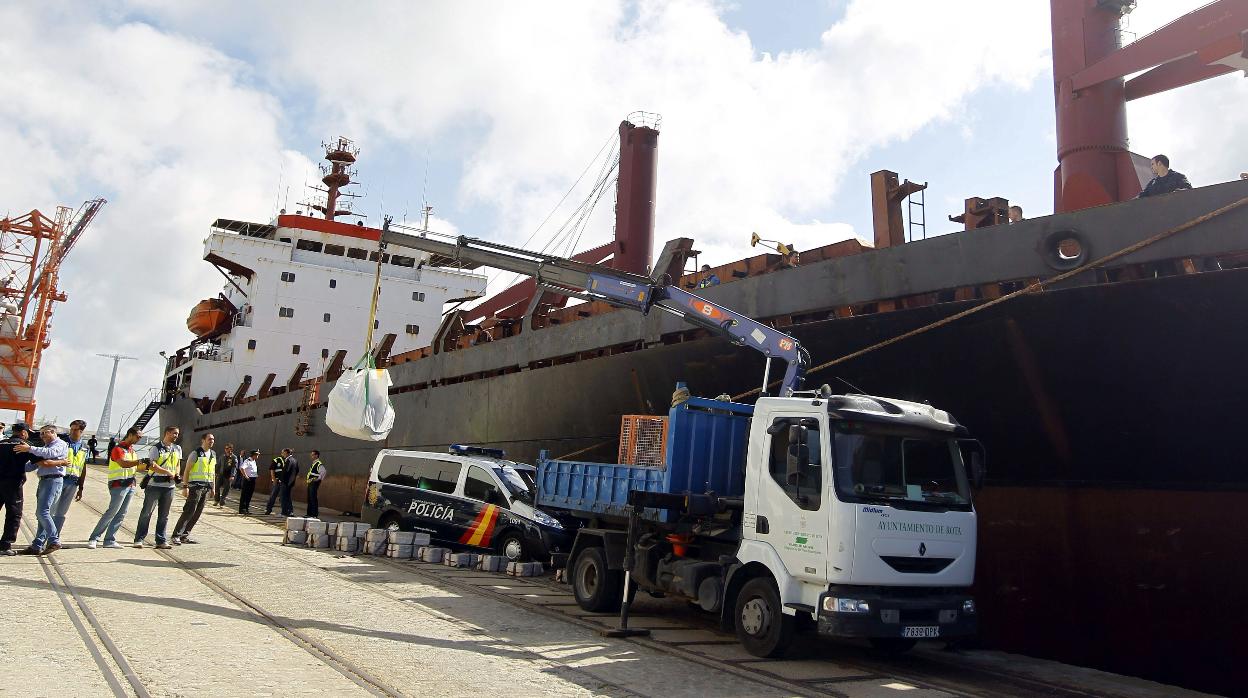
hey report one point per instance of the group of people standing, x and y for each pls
(60, 463)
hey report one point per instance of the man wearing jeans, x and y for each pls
(198, 474)
(52, 455)
(123, 465)
(75, 473)
(165, 458)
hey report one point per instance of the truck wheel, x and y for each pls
(596, 588)
(511, 546)
(762, 627)
(893, 645)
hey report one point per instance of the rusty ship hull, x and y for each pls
(1105, 404)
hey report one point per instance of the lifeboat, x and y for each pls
(210, 317)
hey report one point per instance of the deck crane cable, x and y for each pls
(613, 137)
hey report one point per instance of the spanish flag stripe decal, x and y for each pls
(476, 523)
(481, 534)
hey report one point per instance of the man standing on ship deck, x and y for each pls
(316, 474)
(165, 458)
(1165, 180)
(198, 478)
(52, 457)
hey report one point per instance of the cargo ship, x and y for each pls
(1104, 393)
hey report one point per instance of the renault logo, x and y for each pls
(922, 549)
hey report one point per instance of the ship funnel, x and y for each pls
(635, 192)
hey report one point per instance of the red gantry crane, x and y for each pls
(32, 248)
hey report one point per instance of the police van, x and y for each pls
(469, 496)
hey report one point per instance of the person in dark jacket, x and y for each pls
(1165, 180)
(12, 480)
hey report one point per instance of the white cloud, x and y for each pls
(164, 127)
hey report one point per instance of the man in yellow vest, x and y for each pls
(316, 475)
(199, 476)
(165, 458)
(123, 467)
(75, 472)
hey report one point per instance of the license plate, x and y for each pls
(921, 631)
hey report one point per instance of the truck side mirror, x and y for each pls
(975, 458)
(798, 460)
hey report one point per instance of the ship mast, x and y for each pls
(340, 154)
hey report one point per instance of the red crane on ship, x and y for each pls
(32, 249)
(1091, 88)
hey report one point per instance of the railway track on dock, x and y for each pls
(923, 670)
(322, 653)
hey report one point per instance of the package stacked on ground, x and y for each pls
(375, 540)
(430, 553)
(524, 569)
(350, 538)
(461, 559)
(401, 545)
(295, 531)
(492, 563)
(318, 533)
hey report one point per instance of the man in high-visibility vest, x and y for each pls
(165, 457)
(316, 475)
(123, 467)
(199, 475)
(75, 472)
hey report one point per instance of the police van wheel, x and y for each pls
(596, 588)
(390, 523)
(511, 546)
(762, 626)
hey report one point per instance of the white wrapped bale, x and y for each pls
(374, 547)
(492, 563)
(352, 528)
(376, 535)
(419, 539)
(400, 551)
(295, 523)
(524, 569)
(461, 559)
(313, 527)
(319, 540)
(400, 537)
(296, 537)
(331, 528)
(348, 544)
(431, 554)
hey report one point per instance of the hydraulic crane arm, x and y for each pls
(622, 289)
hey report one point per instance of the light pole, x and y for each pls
(107, 414)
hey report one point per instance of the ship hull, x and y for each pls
(1105, 410)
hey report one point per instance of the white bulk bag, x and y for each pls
(359, 405)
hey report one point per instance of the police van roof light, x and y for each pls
(461, 449)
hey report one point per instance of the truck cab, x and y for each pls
(859, 508)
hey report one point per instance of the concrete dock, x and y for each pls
(241, 614)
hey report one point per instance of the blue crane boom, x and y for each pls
(625, 290)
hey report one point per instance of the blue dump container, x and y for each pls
(706, 450)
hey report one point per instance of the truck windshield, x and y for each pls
(519, 483)
(877, 462)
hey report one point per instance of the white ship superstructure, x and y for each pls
(295, 304)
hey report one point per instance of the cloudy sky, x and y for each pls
(774, 113)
